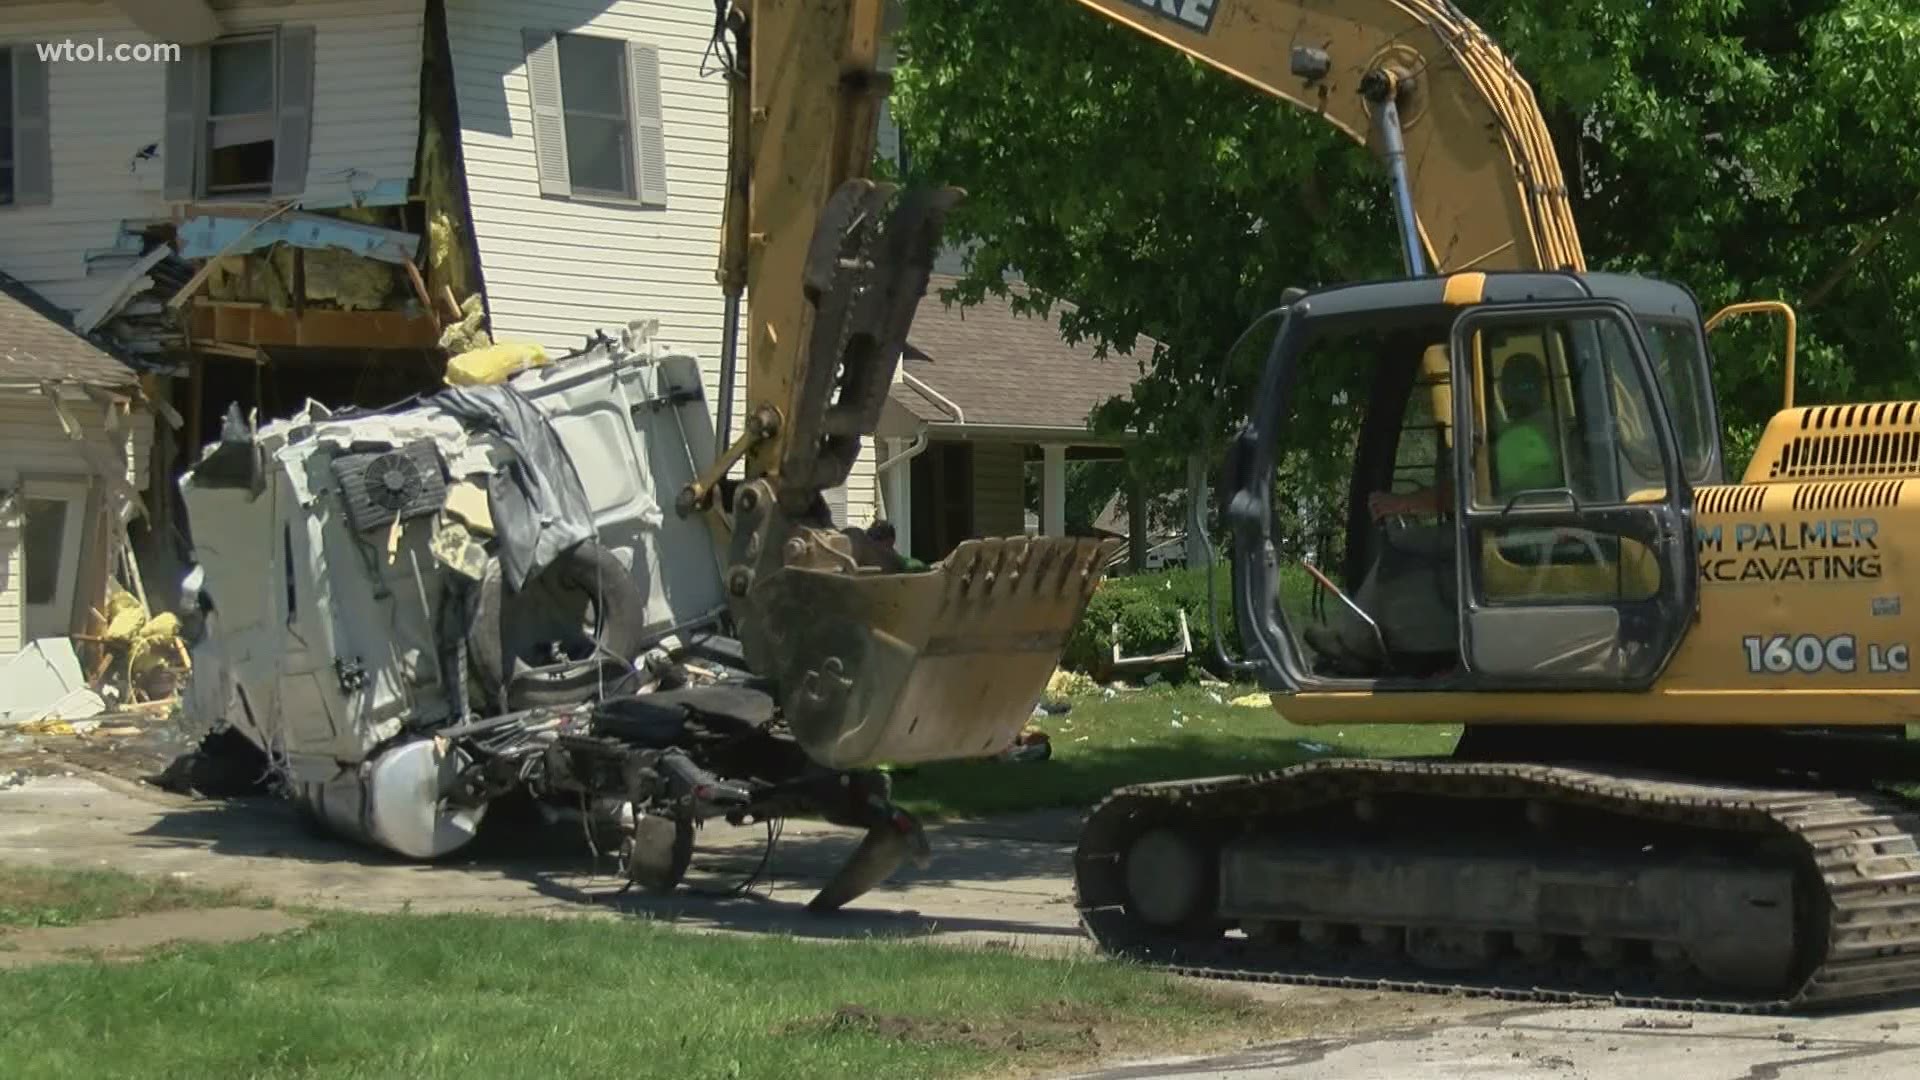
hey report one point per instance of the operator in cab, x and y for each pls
(1526, 453)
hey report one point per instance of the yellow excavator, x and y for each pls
(1680, 698)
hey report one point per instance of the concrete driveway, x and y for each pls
(983, 885)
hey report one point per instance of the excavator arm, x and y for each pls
(875, 664)
(1485, 187)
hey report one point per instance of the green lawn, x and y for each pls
(1156, 733)
(33, 896)
(481, 996)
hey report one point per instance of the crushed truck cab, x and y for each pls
(418, 609)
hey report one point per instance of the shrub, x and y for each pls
(1146, 607)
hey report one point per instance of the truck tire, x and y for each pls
(498, 637)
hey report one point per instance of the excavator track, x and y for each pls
(1643, 890)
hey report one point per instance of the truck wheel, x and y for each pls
(585, 597)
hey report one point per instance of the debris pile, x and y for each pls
(131, 662)
(141, 657)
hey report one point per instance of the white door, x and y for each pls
(50, 533)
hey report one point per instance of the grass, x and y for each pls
(36, 896)
(1157, 733)
(477, 996)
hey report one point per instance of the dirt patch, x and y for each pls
(1059, 1029)
(132, 754)
(127, 938)
(1041, 1040)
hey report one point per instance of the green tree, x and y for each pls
(1164, 200)
(1745, 148)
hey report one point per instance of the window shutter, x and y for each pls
(32, 141)
(649, 139)
(549, 118)
(293, 118)
(186, 100)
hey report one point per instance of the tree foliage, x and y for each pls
(1744, 148)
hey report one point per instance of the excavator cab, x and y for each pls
(1518, 514)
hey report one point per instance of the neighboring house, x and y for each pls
(984, 392)
(74, 433)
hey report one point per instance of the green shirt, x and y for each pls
(1527, 460)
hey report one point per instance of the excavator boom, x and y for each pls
(1486, 187)
(874, 664)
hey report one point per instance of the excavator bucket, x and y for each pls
(949, 663)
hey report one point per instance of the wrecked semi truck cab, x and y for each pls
(418, 609)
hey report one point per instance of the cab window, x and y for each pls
(1563, 410)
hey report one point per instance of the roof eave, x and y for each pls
(1025, 433)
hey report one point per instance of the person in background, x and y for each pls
(882, 533)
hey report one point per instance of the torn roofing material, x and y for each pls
(38, 345)
(208, 235)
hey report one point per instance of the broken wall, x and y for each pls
(34, 446)
(108, 125)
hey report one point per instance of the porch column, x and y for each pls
(1053, 490)
(1198, 496)
(1136, 520)
(896, 487)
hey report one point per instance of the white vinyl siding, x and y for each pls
(557, 268)
(32, 442)
(863, 499)
(12, 579)
(105, 179)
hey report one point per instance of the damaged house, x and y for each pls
(265, 202)
(329, 199)
(273, 200)
(75, 427)
(258, 203)
(228, 197)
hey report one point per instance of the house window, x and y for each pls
(6, 127)
(26, 148)
(240, 116)
(595, 100)
(45, 542)
(597, 131)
